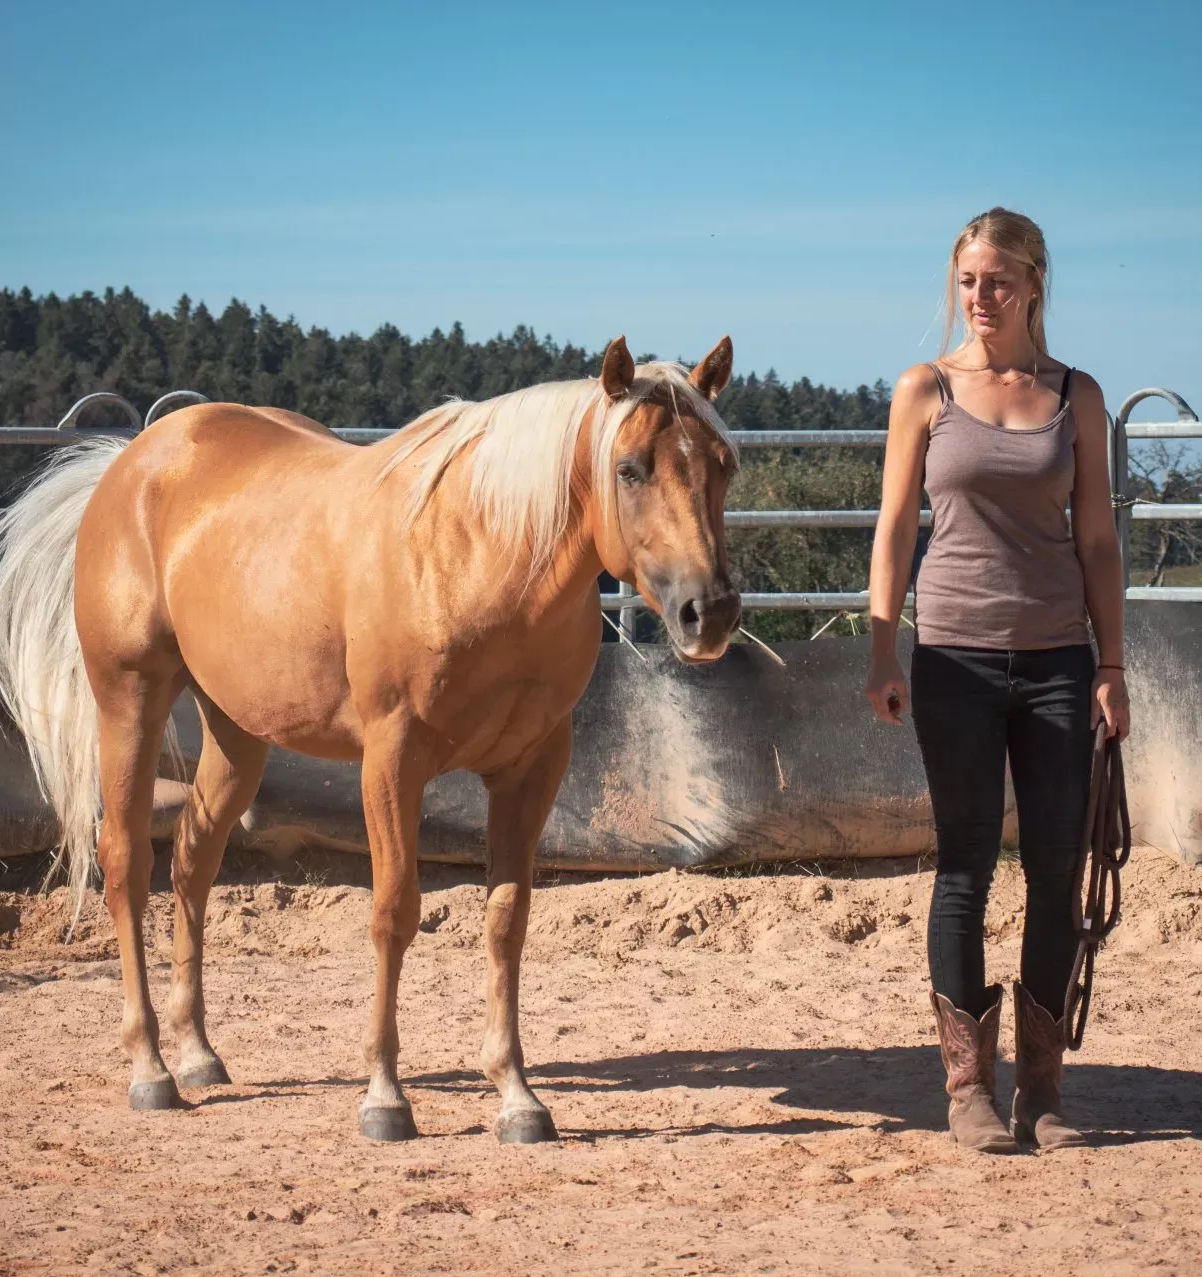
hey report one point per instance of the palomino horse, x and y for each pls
(424, 604)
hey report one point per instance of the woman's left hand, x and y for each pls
(1110, 701)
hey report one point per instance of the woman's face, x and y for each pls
(995, 290)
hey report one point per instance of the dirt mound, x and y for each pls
(860, 906)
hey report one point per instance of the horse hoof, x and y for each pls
(388, 1124)
(148, 1096)
(210, 1073)
(526, 1126)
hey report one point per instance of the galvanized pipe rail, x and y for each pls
(1128, 508)
(1187, 426)
(834, 601)
(69, 432)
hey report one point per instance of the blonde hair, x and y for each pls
(1018, 237)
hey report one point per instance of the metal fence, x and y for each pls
(1127, 508)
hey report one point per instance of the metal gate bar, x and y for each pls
(1187, 426)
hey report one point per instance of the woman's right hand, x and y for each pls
(916, 406)
(887, 691)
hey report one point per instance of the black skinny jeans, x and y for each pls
(972, 708)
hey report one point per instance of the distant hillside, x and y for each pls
(53, 350)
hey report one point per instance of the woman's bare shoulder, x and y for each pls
(1050, 372)
(1083, 383)
(917, 385)
(917, 394)
(1088, 402)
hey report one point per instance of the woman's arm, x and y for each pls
(1097, 545)
(915, 405)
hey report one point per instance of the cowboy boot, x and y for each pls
(1038, 1061)
(969, 1050)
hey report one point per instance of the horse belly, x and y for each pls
(296, 703)
(269, 649)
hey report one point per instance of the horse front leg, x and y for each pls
(520, 799)
(392, 803)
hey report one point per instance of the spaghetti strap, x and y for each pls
(945, 392)
(1068, 376)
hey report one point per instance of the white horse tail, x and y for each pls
(43, 684)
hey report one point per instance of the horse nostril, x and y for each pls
(689, 617)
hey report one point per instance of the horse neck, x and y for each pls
(575, 561)
(574, 564)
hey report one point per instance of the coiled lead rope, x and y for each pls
(1105, 849)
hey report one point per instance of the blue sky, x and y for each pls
(790, 173)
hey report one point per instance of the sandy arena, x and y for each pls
(743, 1071)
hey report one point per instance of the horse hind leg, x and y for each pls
(133, 709)
(227, 779)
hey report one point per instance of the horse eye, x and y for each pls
(629, 473)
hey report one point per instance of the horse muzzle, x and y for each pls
(701, 618)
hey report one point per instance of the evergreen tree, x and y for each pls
(54, 350)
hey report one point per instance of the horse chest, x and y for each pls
(486, 724)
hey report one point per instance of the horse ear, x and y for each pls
(713, 372)
(617, 369)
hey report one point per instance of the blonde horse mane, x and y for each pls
(525, 446)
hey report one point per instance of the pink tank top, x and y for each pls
(1001, 570)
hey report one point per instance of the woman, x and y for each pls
(1004, 438)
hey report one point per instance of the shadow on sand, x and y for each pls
(901, 1086)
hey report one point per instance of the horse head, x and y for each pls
(659, 503)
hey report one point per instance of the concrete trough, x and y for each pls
(739, 763)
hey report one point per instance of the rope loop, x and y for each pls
(1105, 849)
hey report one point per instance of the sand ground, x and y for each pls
(742, 1068)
